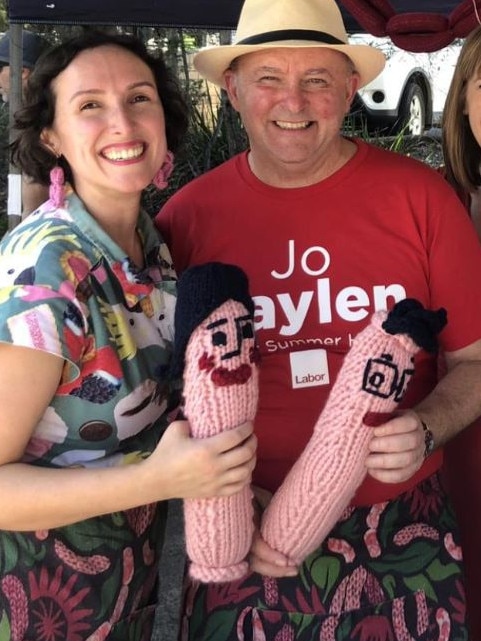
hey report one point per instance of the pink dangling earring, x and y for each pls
(56, 190)
(161, 177)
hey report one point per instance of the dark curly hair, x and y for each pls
(38, 110)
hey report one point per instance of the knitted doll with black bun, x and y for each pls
(215, 352)
(372, 380)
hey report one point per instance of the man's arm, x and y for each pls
(397, 447)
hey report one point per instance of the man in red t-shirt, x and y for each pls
(329, 230)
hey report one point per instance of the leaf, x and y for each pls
(10, 555)
(421, 582)
(389, 584)
(308, 622)
(30, 549)
(196, 619)
(439, 572)
(220, 625)
(88, 536)
(110, 587)
(325, 572)
(118, 519)
(5, 632)
(412, 560)
(389, 524)
(344, 626)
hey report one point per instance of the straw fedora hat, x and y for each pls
(288, 23)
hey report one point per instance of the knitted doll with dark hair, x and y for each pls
(372, 380)
(215, 351)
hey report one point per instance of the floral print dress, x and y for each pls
(388, 572)
(68, 289)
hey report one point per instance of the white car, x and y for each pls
(409, 95)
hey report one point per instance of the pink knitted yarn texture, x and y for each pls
(56, 189)
(332, 466)
(161, 178)
(219, 395)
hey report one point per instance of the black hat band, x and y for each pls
(291, 34)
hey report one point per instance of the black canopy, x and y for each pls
(216, 14)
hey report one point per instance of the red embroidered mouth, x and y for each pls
(223, 377)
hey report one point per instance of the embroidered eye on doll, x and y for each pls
(368, 388)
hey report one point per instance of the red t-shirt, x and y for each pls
(320, 260)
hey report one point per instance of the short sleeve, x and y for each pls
(40, 283)
(40, 318)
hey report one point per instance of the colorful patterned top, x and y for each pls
(68, 289)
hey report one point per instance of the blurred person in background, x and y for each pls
(461, 130)
(33, 45)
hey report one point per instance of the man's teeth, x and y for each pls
(292, 125)
(125, 154)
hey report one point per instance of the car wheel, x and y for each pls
(412, 111)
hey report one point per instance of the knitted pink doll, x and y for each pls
(214, 332)
(372, 379)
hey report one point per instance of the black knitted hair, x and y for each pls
(422, 325)
(200, 290)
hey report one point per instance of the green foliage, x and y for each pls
(216, 132)
(3, 16)
(426, 148)
(3, 167)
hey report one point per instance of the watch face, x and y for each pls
(428, 440)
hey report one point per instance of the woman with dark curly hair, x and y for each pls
(87, 296)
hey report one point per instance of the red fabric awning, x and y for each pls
(427, 30)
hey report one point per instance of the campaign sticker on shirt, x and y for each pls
(309, 368)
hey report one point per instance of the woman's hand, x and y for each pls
(262, 558)
(186, 467)
(267, 561)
